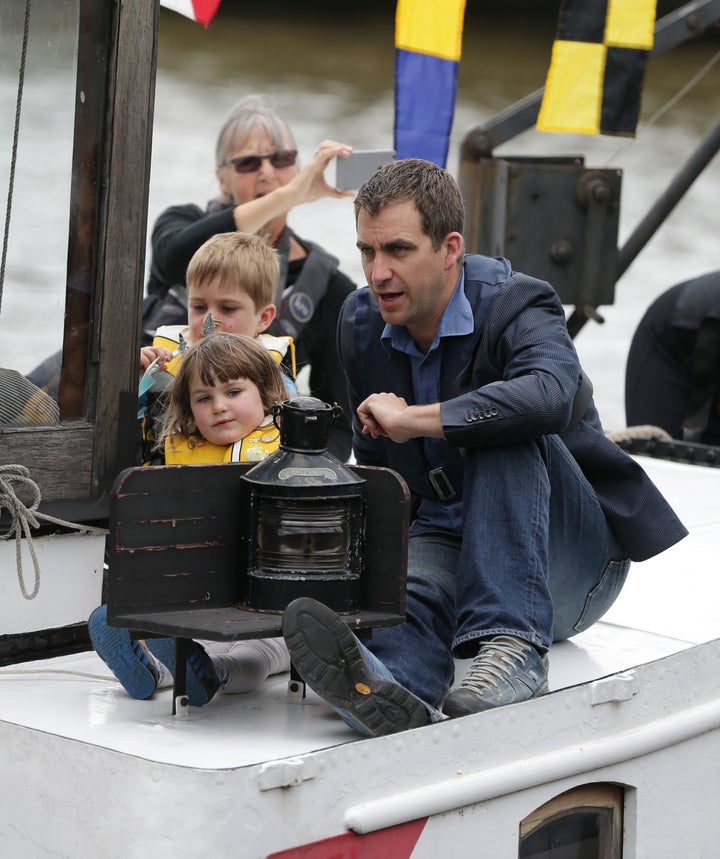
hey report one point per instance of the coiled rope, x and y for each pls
(24, 518)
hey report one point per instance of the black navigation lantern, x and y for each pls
(306, 516)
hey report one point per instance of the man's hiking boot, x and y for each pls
(331, 661)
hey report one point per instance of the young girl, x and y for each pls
(218, 405)
(217, 411)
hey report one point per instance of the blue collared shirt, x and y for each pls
(457, 321)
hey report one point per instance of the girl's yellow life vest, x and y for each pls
(254, 447)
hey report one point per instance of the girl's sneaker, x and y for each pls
(128, 660)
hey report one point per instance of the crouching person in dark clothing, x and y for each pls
(672, 378)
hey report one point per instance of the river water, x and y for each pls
(335, 79)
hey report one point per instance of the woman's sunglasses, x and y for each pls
(251, 163)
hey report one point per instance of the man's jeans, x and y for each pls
(537, 560)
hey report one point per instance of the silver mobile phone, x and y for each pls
(352, 171)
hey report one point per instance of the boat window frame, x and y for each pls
(75, 463)
(607, 798)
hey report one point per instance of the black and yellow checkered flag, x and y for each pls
(594, 84)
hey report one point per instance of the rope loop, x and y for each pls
(25, 517)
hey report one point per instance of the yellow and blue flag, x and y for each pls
(428, 45)
(597, 69)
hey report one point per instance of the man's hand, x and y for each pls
(391, 416)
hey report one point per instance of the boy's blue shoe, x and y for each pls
(128, 660)
(201, 680)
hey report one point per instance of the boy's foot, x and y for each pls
(331, 661)
(128, 660)
(201, 680)
(506, 670)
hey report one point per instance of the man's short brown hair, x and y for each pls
(434, 192)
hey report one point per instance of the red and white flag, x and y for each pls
(202, 11)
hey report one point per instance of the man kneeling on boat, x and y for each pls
(463, 378)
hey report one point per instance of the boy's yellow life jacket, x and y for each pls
(168, 336)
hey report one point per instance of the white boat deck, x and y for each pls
(669, 604)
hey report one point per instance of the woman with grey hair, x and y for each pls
(260, 182)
